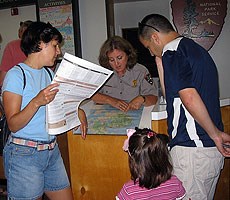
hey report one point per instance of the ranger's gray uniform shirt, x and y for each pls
(130, 85)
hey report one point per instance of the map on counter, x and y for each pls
(105, 119)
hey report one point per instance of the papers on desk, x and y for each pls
(79, 79)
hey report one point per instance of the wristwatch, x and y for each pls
(143, 98)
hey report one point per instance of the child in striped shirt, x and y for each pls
(150, 167)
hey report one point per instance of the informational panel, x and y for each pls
(59, 14)
(200, 20)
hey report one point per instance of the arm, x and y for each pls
(2, 76)
(5, 63)
(7, 60)
(194, 104)
(161, 73)
(16, 118)
(84, 123)
(146, 100)
(105, 99)
(147, 92)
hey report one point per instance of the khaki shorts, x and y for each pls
(198, 168)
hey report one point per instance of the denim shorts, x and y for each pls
(30, 172)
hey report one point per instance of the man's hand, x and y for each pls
(222, 142)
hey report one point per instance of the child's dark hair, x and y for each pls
(36, 33)
(149, 159)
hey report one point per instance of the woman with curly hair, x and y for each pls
(128, 88)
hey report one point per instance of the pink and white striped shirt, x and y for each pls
(172, 189)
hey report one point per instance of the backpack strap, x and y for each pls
(24, 77)
(51, 77)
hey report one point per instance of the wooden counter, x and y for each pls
(99, 167)
(223, 186)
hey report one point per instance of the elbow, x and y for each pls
(188, 98)
(12, 129)
(155, 99)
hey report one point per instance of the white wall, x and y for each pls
(93, 27)
(127, 15)
(220, 52)
(10, 24)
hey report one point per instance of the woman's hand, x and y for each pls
(46, 95)
(106, 99)
(84, 123)
(136, 103)
(17, 118)
(120, 104)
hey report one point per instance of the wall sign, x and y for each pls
(200, 20)
(60, 15)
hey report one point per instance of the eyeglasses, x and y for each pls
(141, 26)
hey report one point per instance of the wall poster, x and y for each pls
(200, 20)
(60, 15)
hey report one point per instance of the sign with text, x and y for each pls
(52, 3)
(59, 14)
(200, 20)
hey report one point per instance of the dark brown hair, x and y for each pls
(149, 159)
(119, 43)
(36, 33)
(25, 23)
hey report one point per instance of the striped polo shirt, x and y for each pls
(188, 65)
(172, 189)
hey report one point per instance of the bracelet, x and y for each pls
(143, 98)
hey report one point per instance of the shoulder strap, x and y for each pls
(46, 68)
(24, 77)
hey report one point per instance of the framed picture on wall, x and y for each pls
(64, 16)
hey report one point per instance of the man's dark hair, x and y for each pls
(154, 22)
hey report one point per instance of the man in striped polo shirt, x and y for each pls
(189, 80)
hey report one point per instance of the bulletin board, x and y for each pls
(64, 16)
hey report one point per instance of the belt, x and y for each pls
(34, 144)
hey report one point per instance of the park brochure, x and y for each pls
(78, 80)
